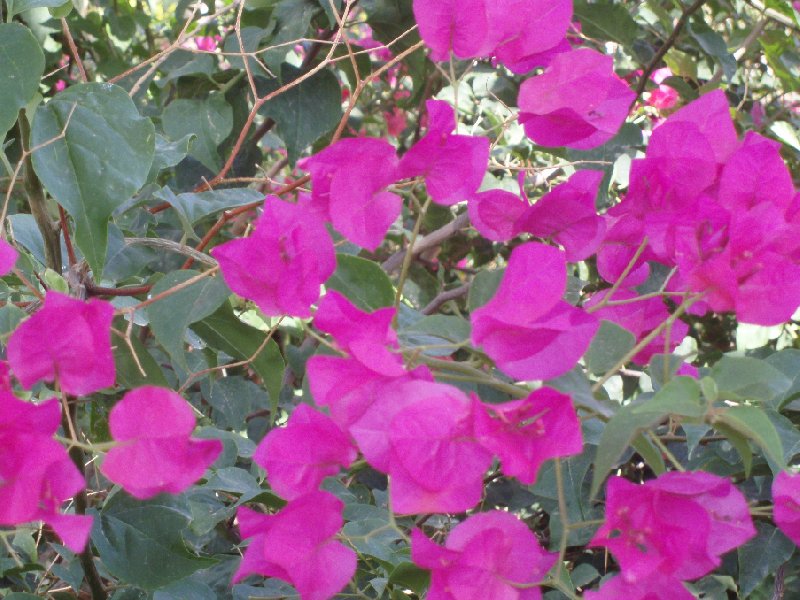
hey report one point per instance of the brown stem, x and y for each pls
(38, 201)
(81, 504)
(73, 49)
(62, 215)
(668, 43)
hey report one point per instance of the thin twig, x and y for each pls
(665, 47)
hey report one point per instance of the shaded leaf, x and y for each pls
(211, 120)
(79, 171)
(22, 63)
(362, 281)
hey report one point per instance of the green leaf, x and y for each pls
(744, 378)
(22, 63)
(142, 542)
(362, 281)
(22, 596)
(609, 345)
(168, 154)
(171, 316)
(753, 423)
(211, 120)
(185, 589)
(484, 287)
(606, 20)
(16, 7)
(373, 537)
(681, 396)
(714, 45)
(223, 331)
(618, 435)
(662, 367)
(233, 398)
(741, 444)
(436, 330)
(192, 207)
(305, 112)
(128, 373)
(761, 556)
(10, 317)
(103, 158)
(408, 575)
(651, 455)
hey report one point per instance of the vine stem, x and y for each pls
(408, 257)
(645, 341)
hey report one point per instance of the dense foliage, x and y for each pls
(394, 299)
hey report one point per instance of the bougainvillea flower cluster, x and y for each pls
(489, 555)
(282, 265)
(156, 453)
(36, 474)
(68, 341)
(527, 328)
(520, 34)
(676, 526)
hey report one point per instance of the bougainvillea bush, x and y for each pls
(394, 299)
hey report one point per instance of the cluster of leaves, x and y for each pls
(139, 141)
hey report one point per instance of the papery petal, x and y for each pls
(299, 456)
(786, 499)
(496, 213)
(577, 102)
(8, 257)
(68, 339)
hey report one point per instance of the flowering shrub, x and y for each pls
(400, 300)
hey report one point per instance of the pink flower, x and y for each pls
(567, 215)
(422, 435)
(676, 526)
(396, 121)
(207, 43)
(298, 545)
(60, 85)
(435, 463)
(348, 386)
(489, 555)
(657, 587)
(68, 341)
(526, 433)
(458, 25)
(786, 497)
(664, 96)
(283, 263)
(36, 474)
(578, 101)
(496, 214)
(453, 165)
(156, 453)
(349, 180)
(299, 456)
(527, 329)
(8, 257)
(529, 33)
(522, 34)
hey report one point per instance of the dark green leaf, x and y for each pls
(79, 170)
(225, 332)
(171, 316)
(761, 556)
(184, 590)
(681, 396)
(609, 345)
(408, 575)
(233, 398)
(744, 378)
(618, 434)
(483, 288)
(128, 372)
(373, 537)
(211, 120)
(22, 63)
(436, 330)
(753, 423)
(192, 207)
(305, 112)
(606, 20)
(141, 542)
(362, 281)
